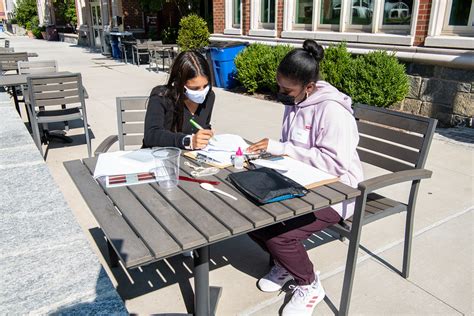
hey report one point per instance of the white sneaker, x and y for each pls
(275, 279)
(304, 299)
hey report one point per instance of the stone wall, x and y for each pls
(443, 93)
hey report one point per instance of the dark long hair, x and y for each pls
(302, 64)
(186, 66)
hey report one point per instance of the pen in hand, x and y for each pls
(196, 125)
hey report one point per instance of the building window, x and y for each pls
(330, 12)
(236, 5)
(397, 12)
(304, 12)
(267, 12)
(361, 12)
(459, 17)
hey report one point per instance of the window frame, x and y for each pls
(302, 26)
(398, 29)
(229, 18)
(457, 29)
(257, 28)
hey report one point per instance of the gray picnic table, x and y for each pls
(145, 223)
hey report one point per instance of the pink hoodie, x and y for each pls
(322, 132)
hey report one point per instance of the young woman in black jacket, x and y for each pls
(187, 95)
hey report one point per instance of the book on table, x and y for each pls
(123, 168)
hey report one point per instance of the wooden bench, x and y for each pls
(394, 141)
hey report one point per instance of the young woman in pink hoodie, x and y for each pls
(318, 129)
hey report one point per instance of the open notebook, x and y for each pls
(300, 172)
(220, 150)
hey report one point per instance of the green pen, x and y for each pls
(196, 125)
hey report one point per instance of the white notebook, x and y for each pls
(302, 173)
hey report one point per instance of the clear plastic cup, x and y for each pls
(167, 166)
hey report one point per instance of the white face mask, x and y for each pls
(197, 96)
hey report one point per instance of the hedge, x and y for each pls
(376, 78)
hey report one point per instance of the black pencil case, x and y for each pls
(265, 185)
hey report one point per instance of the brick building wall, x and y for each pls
(219, 16)
(422, 22)
(279, 19)
(246, 16)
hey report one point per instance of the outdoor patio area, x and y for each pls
(441, 278)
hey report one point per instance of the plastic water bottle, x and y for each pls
(239, 159)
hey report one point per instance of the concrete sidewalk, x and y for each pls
(442, 265)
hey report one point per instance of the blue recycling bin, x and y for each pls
(115, 47)
(223, 56)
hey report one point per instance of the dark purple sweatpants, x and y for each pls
(284, 241)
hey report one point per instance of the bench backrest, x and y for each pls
(131, 120)
(9, 61)
(391, 140)
(37, 67)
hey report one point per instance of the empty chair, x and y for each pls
(130, 124)
(51, 92)
(399, 143)
(37, 67)
(9, 61)
(32, 68)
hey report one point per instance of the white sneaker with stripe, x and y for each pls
(304, 299)
(275, 279)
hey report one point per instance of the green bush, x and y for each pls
(37, 32)
(193, 33)
(378, 79)
(336, 66)
(375, 79)
(24, 12)
(257, 64)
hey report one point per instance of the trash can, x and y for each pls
(114, 44)
(223, 55)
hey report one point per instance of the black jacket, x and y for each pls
(159, 120)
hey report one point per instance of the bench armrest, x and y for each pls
(379, 182)
(106, 144)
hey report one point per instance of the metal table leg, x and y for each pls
(15, 99)
(203, 295)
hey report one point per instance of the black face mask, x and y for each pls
(285, 99)
(288, 99)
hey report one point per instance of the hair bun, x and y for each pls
(314, 49)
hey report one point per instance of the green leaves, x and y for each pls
(257, 64)
(24, 12)
(193, 33)
(376, 78)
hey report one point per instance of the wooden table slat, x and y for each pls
(176, 225)
(227, 215)
(278, 210)
(332, 195)
(204, 222)
(315, 200)
(250, 211)
(151, 232)
(349, 191)
(131, 250)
